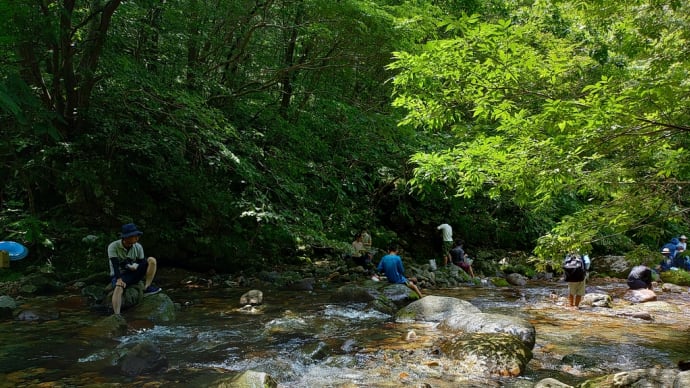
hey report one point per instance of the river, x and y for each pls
(302, 339)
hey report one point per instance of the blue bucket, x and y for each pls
(16, 250)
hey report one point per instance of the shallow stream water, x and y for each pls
(302, 339)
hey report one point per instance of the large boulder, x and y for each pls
(492, 324)
(157, 308)
(494, 354)
(614, 266)
(434, 308)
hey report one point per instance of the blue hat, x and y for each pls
(129, 230)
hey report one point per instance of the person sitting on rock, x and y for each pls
(391, 265)
(127, 265)
(361, 255)
(460, 258)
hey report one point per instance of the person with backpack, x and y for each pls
(575, 273)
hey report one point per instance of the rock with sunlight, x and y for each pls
(640, 296)
(651, 377)
(492, 323)
(488, 354)
(435, 309)
(252, 297)
(597, 300)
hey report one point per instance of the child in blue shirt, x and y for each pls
(391, 265)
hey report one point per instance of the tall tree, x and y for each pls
(579, 116)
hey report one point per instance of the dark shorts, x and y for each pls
(637, 284)
(447, 246)
(133, 277)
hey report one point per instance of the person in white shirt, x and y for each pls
(447, 234)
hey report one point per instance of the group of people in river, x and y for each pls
(641, 276)
(391, 266)
(675, 258)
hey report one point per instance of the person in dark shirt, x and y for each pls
(460, 258)
(640, 277)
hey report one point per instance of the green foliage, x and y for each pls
(642, 254)
(544, 114)
(680, 277)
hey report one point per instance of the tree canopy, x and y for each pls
(576, 111)
(236, 133)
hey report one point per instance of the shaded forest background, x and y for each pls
(244, 134)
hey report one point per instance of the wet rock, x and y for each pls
(109, 327)
(399, 294)
(40, 316)
(142, 358)
(651, 377)
(247, 379)
(157, 308)
(597, 300)
(488, 354)
(637, 314)
(434, 308)
(354, 293)
(551, 383)
(579, 360)
(317, 351)
(492, 324)
(640, 296)
(669, 287)
(515, 279)
(252, 297)
(682, 380)
(7, 306)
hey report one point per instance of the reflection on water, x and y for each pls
(303, 339)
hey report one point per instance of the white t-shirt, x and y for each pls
(447, 232)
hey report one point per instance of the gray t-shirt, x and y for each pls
(123, 256)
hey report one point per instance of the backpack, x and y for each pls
(574, 268)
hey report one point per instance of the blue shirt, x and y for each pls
(392, 266)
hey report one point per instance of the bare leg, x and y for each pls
(471, 272)
(570, 301)
(150, 271)
(117, 299)
(578, 299)
(415, 288)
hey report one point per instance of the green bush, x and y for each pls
(680, 277)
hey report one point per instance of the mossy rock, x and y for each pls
(680, 277)
(500, 282)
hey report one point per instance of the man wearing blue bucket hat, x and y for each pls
(127, 265)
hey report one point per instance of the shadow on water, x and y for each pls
(305, 340)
